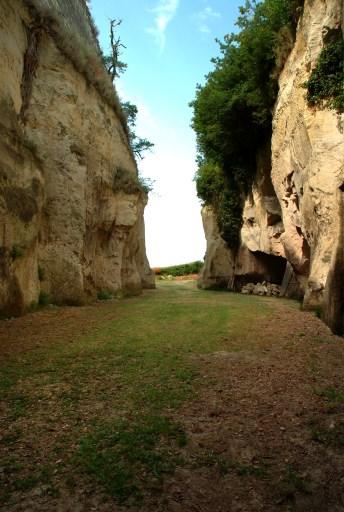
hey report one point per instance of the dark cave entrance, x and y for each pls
(263, 267)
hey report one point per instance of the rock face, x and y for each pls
(69, 227)
(308, 157)
(218, 268)
(295, 209)
(261, 254)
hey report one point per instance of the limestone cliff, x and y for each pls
(294, 212)
(71, 208)
(308, 157)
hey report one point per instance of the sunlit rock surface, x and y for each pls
(294, 212)
(66, 227)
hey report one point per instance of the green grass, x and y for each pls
(325, 85)
(128, 456)
(110, 396)
(16, 252)
(18, 406)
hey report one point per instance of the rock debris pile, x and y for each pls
(268, 289)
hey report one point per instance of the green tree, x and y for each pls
(325, 87)
(116, 67)
(139, 145)
(233, 109)
(112, 61)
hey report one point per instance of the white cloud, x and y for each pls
(165, 12)
(204, 16)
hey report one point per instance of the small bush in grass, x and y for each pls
(329, 436)
(318, 311)
(330, 394)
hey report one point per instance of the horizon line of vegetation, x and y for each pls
(183, 269)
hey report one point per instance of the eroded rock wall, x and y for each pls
(308, 156)
(218, 268)
(260, 256)
(295, 209)
(66, 227)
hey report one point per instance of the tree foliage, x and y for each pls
(113, 63)
(325, 86)
(233, 110)
(115, 68)
(139, 145)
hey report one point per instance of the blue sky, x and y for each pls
(169, 47)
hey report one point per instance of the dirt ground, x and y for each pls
(278, 413)
(265, 431)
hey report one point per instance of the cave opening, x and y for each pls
(265, 267)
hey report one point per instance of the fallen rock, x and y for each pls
(261, 289)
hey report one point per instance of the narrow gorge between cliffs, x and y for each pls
(136, 376)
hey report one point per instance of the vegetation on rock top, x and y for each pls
(115, 67)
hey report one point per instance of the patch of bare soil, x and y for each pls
(267, 433)
(51, 326)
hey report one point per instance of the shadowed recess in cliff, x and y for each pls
(334, 304)
(260, 267)
(34, 37)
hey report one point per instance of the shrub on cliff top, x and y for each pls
(233, 110)
(130, 183)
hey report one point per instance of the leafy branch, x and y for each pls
(115, 67)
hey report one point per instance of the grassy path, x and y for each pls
(180, 400)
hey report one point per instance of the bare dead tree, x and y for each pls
(113, 63)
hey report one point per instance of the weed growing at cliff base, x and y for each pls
(17, 252)
(104, 295)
